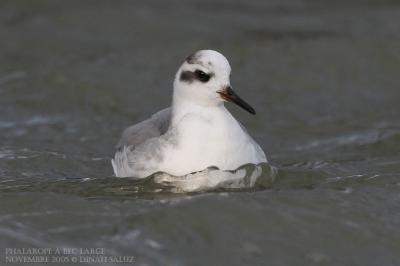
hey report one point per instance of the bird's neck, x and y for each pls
(183, 107)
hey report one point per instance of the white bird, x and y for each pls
(196, 132)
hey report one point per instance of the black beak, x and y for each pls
(229, 95)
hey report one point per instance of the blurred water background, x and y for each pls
(322, 75)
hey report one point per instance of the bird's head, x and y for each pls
(204, 79)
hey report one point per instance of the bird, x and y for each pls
(196, 132)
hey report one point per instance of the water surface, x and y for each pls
(322, 76)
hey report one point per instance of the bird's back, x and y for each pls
(155, 126)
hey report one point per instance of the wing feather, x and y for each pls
(155, 126)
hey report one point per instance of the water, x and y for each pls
(323, 78)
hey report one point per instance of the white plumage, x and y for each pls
(196, 132)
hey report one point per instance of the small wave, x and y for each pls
(245, 177)
(160, 185)
(36, 120)
(356, 139)
(13, 76)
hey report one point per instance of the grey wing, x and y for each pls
(155, 126)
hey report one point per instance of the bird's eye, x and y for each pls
(202, 76)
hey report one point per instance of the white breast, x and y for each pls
(210, 138)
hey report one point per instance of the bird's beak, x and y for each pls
(229, 95)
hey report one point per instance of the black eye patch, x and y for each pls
(202, 76)
(199, 75)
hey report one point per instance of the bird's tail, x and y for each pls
(120, 163)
